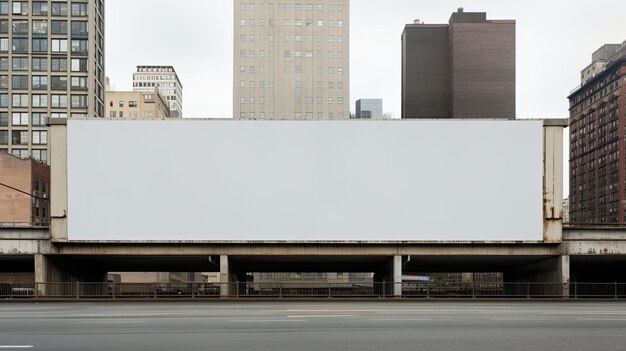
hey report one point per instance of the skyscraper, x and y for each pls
(463, 69)
(291, 59)
(51, 65)
(369, 108)
(597, 133)
(166, 80)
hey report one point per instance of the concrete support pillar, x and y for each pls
(564, 269)
(397, 276)
(41, 274)
(225, 278)
(57, 147)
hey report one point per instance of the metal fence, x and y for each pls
(243, 290)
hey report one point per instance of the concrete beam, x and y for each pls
(595, 247)
(24, 233)
(211, 249)
(25, 247)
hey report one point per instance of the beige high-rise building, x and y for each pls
(291, 59)
(136, 105)
(166, 80)
(51, 65)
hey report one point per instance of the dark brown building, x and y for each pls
(597, 143)
(463, 69)
(24, 191)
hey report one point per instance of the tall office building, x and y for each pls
(369, 108)
(166, 80)
(463, 69)
(597, 133)
(51, 65)
(291, 59)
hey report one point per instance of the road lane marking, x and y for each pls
(398, 319)
(111, 322)
(16, 346)
(601, 319)
(322, 316)
(266, 320)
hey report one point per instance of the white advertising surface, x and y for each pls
(305, 181)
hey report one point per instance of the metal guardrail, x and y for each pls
(413, 290)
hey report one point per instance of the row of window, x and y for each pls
(24, 119)
(39, 155)
(298, 115)
(298, 101)
(291, 7)
(43, 8)
(298, 84)
(43, 101)
(133, 114)
(40, 28)
(251, 22)
(78, 46)
(43, 83)
(22, 137)
(43, 64)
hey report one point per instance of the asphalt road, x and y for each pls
(263, 326)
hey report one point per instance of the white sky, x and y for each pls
(555, 40)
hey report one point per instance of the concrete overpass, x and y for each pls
(566, 253)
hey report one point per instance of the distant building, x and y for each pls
(463, 69)
(291, 59)
(166, 80)
(136, 105)
(597, 131)
(599, 60)
(24, 191)
(369, 108)
(566, 210)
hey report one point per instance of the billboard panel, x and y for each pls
(305, 181)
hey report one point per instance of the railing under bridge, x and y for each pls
(249, 290)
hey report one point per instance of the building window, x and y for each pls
(4, 119)
(59, 27)
(20, 45)
(79, 9)
(4, 64)
(4, 137)
(39, 119)
(20, 100)
(40, 8)
(40, 45)
(40, 82)
(79, 101)
(4, 7)
(79, 83)
(40, 64)
(80, 47)
(59, 45)
(20, 83)
(58, 83)
(59, 65)
(79, 28)
(4, 44)
(40, 27)
(59, 9)
(79, 65)
(112, 114)
(4, 100)
(41, 156)
(40, 137)
(20, 7)
(20, 137)
(20, 27)
(58, 101)
(40, 100)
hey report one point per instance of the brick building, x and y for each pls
(597, 140)
(463, 69)
(24, 191)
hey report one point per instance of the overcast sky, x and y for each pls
(555, 40)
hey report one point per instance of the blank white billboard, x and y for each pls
(305, 181)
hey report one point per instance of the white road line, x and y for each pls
(601, 319)
(322, 316)
(16, 346)
(266, 320)
(112, 322)
(398, 319)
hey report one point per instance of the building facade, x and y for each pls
(369, 108)
(597, 143)
(24, 191)
(166, 80)
(463, 69)
(291, 59)
(51, 65)
(136, 105)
